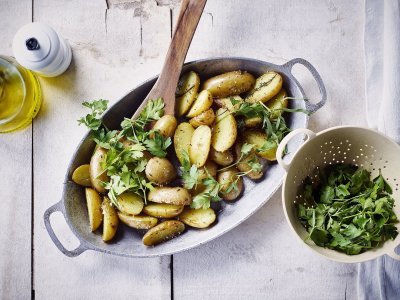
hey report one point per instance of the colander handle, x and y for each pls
(282, 145)
(59, 207)
(392, 253)
(311, 107)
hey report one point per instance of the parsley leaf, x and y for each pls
(346, 210)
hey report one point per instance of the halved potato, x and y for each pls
(182, 138)
(244, 166)
(110, 223)
(93, 201)
(130, 203)
(225, 130)
(138, 222)
(166, 125)
(226, 178)
(186, 92)
(229, 84)
(163, 232)
(170, 195)
(258, 138)
(227, 102)
(162, 210)
(200, 145)
(205, 118)
(224, 158)
(266, 87)
(277, 103)
(202, 103)
(198, 218)
(81, 175)
(160, 170)
(97, 174)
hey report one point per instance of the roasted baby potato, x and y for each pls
(182, 138)
(277, 103)
(224, 158)
(163, 232)
(93, 201)
(200, 145)
(267, 86)
(111, 221)
(81, 175)
(209, 168)
(160, 171)
(138, 222)
(186, 92)
(227, 102)
(97, 174)
(258, 138)
(166, 125)
(244, 165)
(170, 195)
(198, 218)
(162, 210)
(225, 131)
(252, 122)
(130, 203)
(226, 179)
(205, 118)
(202, 103)
(229, 84)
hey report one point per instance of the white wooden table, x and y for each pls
(116, 45)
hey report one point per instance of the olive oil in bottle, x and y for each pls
(20, 95)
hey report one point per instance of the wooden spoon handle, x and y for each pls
(165, 86)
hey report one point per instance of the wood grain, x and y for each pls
(16, 181)
(118, 44)
(109, 59)
(262, 258)
(165, 86)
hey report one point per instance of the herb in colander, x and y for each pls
(347, 211)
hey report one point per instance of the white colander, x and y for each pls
(343, 144)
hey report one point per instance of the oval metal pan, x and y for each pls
(128, 242)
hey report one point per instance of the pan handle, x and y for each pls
(59, 207)
(282, 145)
(311, 107)
(392, 253)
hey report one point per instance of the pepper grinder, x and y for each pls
(39, 48)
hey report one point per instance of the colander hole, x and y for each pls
(334, 154)
(358, 156)
(347, 141)
(366, 156)
(384, 167)
(387, 178)
(333, 147)
(373, 169)
(342, 161)
(348, 149)
(345, 157)
(380, 159)
(354, 159)
(326, 143)
(341, 143)
(330, 151)
(330, 142)
(362, 154)
(339, 152)
(397, 184)
(394, 179)
(371, 164)
(349, 145)
(362, 165)
(386, 161)
(361, 149)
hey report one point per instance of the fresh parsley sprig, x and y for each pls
(125, 160)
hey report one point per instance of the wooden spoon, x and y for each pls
(165, 86)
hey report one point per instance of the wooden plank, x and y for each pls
(116, 45)
(262, 258)
(15, 174)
